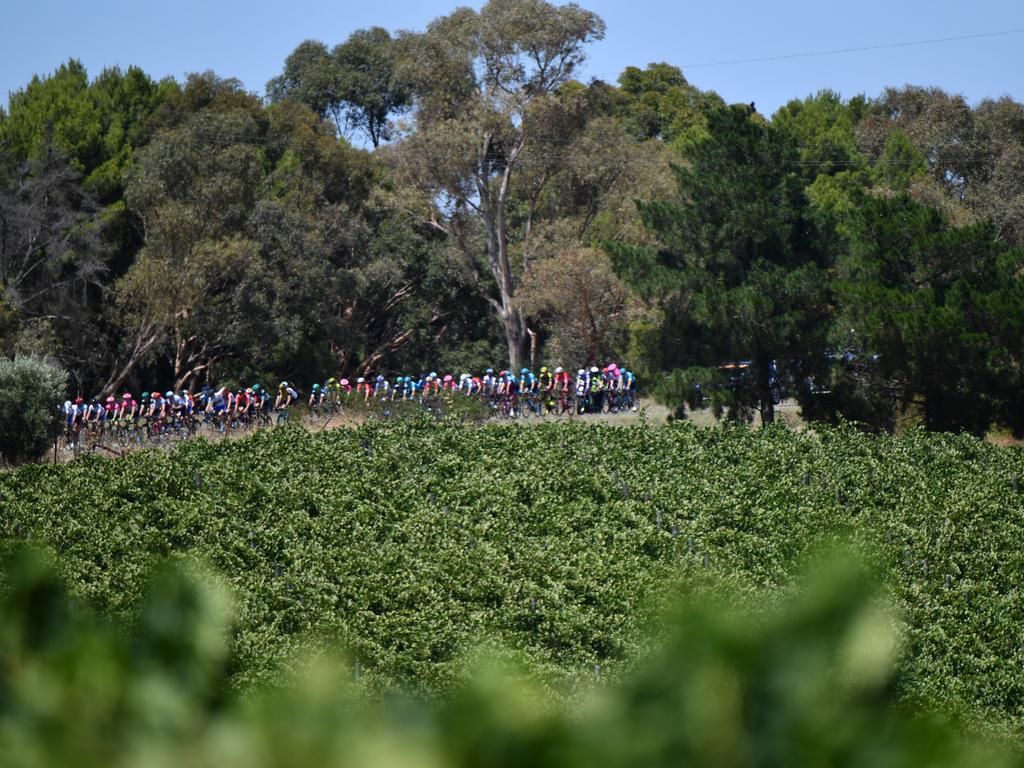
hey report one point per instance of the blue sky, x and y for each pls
(249, 40)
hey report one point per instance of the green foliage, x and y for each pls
(95, 124)
(188, 231)
(822, 126)
(412, 544)
(900, 163)
(661, 104)
(732, 270)
(935, 302)
(805, 680)
(31, 391)
(52, 261)
(369, 84)
(356, 84)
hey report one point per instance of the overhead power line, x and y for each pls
(834, 51)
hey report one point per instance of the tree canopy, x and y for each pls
(437, 197)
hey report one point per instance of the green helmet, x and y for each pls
(316, 387)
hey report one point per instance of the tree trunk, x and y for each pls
(515, 335)
(142, 345)
(764, 392)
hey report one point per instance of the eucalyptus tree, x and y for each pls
(483, 84)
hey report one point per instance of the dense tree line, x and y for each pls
(441, 198)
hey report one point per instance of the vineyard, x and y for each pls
(415, 544)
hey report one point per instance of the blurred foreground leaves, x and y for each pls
(804, 678)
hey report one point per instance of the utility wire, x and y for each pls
(834, 51)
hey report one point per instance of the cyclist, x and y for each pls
(106, 414)
(582, 390)
(246, 402)
(629, 388)
(228, 396)
(332, 390)
(201, 401)
(74, 412)
(435, 382)
(155, 414)
(509, 388)
(262, 402)
(545, 380)
(527, 386)
(527, 381)
(562, 389)
(188, 404)
(596, 389)
(174, 406)
(81, 411)
(92, 412)
(546, 388)
(380, 387)
(364, 389)
(490, 382)
(316, 397)
(129, 408)
(286, 395)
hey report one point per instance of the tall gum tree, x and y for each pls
(480, 80)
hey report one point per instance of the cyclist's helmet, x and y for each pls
(316, 387)
(344, 382)
(580, 372)
(524, 370)
(447, 378)
(110, 399)
(126, 396)
(543, 369)
(594, 369)
(333, 380)
(283, 385)
(145, 396)
(168, 393)
(558, 369)
(433, 374)
(360, 380)
(489, 370)
(255, 387)
(78, 401)
(248, 391)
(380, 378)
